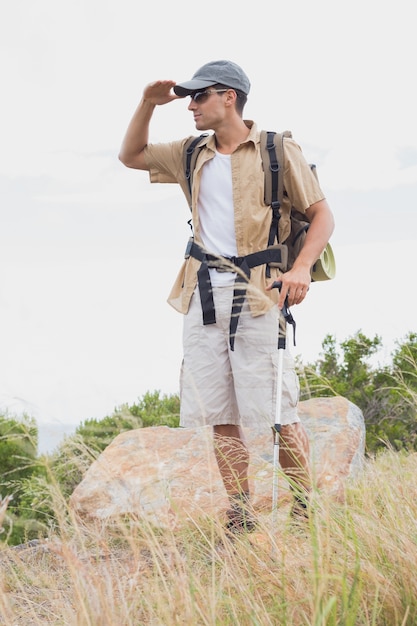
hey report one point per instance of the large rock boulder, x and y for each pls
(164, 474)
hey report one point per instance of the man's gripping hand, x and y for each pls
(294, 286)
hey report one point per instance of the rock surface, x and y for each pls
(164, 474)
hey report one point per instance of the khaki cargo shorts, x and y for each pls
(218, 386)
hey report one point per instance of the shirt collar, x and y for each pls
(253, 136)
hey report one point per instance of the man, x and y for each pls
(228, 378)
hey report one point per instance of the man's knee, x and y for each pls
(228, 430)
(295, 447)
(294, 435)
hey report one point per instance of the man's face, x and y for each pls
(208, 107)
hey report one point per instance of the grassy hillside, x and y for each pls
(353, 564)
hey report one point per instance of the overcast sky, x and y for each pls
(89, 249)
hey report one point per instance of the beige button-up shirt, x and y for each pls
(252, 215)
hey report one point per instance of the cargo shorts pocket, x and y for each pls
(290, 390)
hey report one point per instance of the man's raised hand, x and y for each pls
(160, 92)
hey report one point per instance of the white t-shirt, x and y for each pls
(216, 213)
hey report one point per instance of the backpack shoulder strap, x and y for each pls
(272, 154)
(190, 159)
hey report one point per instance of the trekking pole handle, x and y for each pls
(285, 309)
(277, 285)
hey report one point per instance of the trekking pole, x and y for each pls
(284, 316)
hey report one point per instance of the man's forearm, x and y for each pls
(136, 137)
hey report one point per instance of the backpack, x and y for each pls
(272, 155)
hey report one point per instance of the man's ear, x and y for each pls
(231, 97)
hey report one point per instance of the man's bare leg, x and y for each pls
(294, 458)
(233, 460)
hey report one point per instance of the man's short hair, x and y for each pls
(241, 98)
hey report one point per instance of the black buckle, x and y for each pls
(187, 253)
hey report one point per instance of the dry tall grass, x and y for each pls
(353, 564)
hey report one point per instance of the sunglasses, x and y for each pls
(202, 96)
